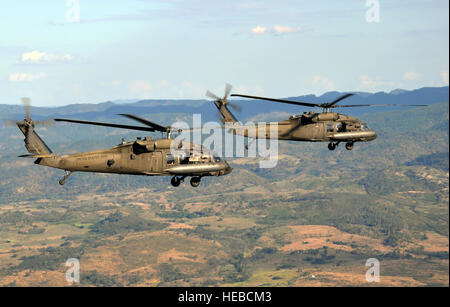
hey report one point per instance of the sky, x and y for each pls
(61, 52)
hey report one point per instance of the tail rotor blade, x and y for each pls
(212, 96)
(9, 123)
(27, 107)
(235, 107)
(228, 88)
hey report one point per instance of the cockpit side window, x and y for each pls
(330, 128)
(170, 159)
(216, 158)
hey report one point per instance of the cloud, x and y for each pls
(284, 29)
(444, 76)
(37, 56)
(23, 76)
(275, 30)
(411, 76)
(259, 30)
(323, 82)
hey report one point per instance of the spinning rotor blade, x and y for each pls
(212, 95)
(299, 103)
(235, 107)
(27, 106)
(44, 123)
(156, 127)
(332, 104)
(9, 123)
(381, 105)
(228, 88)
(105, 124)
(329, 105)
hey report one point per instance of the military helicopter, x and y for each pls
(144, 156)
(326, 126)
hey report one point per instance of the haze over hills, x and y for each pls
(318, 213)
(250, 109)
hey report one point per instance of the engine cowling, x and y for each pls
(322, 117)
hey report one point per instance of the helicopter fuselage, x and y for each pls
(141, 157)
(313, 127)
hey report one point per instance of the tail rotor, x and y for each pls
(28, 121)
(223, 103)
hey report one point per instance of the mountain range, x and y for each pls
(255, 110)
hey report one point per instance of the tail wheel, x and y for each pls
(195, 181)
(175, 181)
(349, 146)
(332, 146)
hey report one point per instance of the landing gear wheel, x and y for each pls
(195, 181)
(63, 180)
(175, 181)
(349, 146)
(332, 146)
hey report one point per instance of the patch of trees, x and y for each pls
(169, 273)
(15, 217)
(118, 223)
(436, 160)
(94, 278)
(50, 258)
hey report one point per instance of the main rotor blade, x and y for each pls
(147, 122)
(299, 103)
(331, 104)
(85, 122)
(380, 105)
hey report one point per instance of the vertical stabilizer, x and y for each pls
(33, 142)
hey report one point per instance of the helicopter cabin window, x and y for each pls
(339, 127)
(216, 158)
(330, 128)
(184, 160)
(170, 159)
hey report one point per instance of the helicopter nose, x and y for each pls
(373, 135)
(228, 169)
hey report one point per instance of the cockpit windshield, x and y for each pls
(364, 127)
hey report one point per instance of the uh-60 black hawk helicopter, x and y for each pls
(147, 156)
(326, 126)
